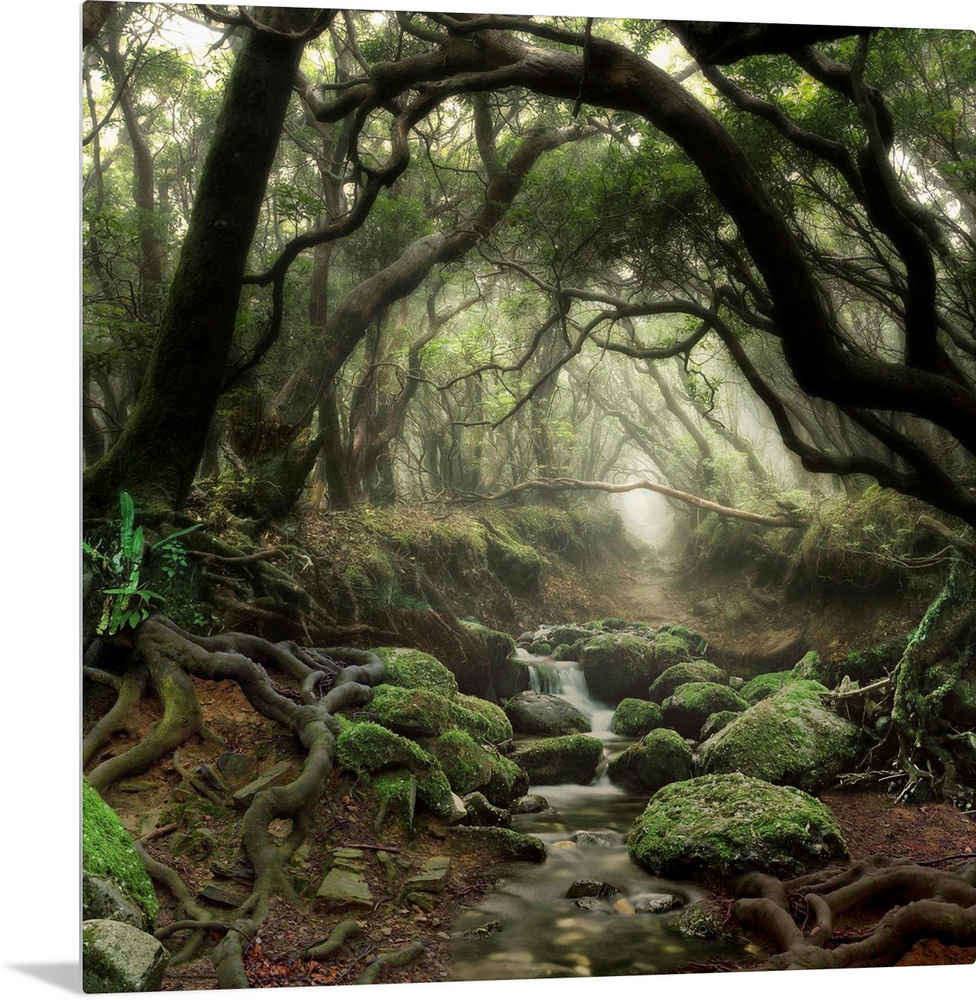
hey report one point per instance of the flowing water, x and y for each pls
(527, 927)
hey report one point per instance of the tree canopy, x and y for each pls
(447, 252)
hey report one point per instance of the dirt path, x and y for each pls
(727, 608)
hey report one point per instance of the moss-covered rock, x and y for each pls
(763, 685)
(498, 729)
(516, 565)
(618, 665)
(497, 648)
(669, 649)
(789, 738)
(411, 711)
(716, 723)
(369, 749)
(108, 856)
(729, 824)
(660, 758)
(411, 668)
(691, 704)
(560, 760)
(685, 673)
(636, 717)
(466, 765)
(507, 783)
(537, 714)
(505, 845)
(810, 667)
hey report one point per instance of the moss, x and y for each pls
(728, 824)
(560, 759)
(498, 646)
(492, 722)
(636, 717)
(684, 673)
(789, 738)
(764, 685)
(369, 749)
(504, 844)
(865, 665)
(108, 853)
(809, 668)
(716, 722)
(700, 921)
(660, 758)
(618, 665)
(508, 781)
(410, 668)
(516, 565)
(411, 712)
(462, 760)
(691, 704)
(670, 649)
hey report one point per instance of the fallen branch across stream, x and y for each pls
(562, 484)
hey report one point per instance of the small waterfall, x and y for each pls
(565, 678)
(530, 926)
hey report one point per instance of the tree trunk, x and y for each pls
(159, 450)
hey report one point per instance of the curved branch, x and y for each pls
(559, 485)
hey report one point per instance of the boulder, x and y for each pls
(507, 783)
(497, 647)
(636, 717)
(674, 643)
(545, 715)
(410, 668)
(560, 760)
(480, 812)
(119, 958)
(408, 771)
(465, 764)
(660, 758)
(411, 712)
(618, 665)
(729, 824)
(788, 738)
(497, 728)
(716, 723)
(689, 707)
(685, 673)
(505, 845)
(763, 685)
(115, 884)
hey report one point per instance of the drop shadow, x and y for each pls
(65, 975)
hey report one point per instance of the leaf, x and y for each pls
(175, 534)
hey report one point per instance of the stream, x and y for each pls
(527, 927)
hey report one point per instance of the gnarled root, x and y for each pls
(924, 903)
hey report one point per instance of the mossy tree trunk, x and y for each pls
(157, 454)
(938, 651)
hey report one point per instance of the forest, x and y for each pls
(528, 496)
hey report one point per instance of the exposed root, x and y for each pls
(923, 903)
(173, 657)
(343, 931)
(397, 958)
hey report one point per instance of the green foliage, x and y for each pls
(108, 853)
(127, 601)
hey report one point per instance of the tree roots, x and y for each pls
(800, 917)
(322, 681)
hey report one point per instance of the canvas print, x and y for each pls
(528, 497)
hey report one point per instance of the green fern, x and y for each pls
(128, 602)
